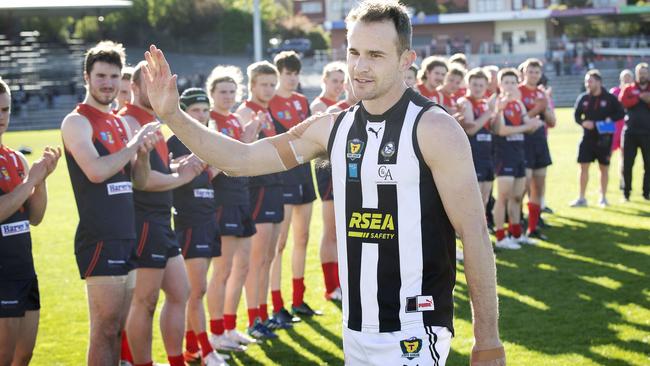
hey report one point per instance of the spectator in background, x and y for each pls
(636, 134)
(411, 76)
(124, 94)
(626, 77)
(595, 109)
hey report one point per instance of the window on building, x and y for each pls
(488, 5)
(311, 7)
(529, 37)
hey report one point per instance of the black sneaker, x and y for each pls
(283, 316)
(274, 324)
(543, 224)
(538, 235)
(547, 210)
(646, 196)
(305, 309)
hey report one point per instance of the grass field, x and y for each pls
(580, 299)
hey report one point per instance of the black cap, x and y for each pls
(193, 95)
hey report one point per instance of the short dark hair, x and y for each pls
(371, 11)
(458, 58)
(288, 60)
(593, 73)
(105, 51)
(457, 71)
(508, 71)
(4, 88)
(477, 73)
(431, 63)
(127, 73)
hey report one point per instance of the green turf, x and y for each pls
(583, 298)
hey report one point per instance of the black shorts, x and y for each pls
(538, 155)
(324, 182)
(298, 194)
(510, 168)
(19, 296)
(484, 170)
(267, 204)
(200, 241)
(106, 258)
(236, 220)
(590, 150)
(156, 243)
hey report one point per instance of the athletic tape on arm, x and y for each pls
(284, 146)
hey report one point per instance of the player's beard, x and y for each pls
(101, 99)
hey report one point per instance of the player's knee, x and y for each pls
(197, 292)
(301, 239)
(147, 301)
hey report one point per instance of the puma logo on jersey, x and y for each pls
(370, 129)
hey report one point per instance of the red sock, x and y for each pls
(191, 344)
(229, 321)
(216, 326)
(328, 276)
(252, 315)
(515, 230)
(263, 312)
(176, 360)
(336, 275)
(150, 363)
(125, 353)
(500, 234)
(206, 347)
(533, 216)
(298, 291)
(276, 299)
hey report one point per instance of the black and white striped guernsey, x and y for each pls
(396, 245)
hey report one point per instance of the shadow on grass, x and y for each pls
(569, 296)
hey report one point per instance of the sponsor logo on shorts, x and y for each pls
(515, 137)
(269, 212)
(9, 303)
(119, 188)
(204, 193)
(15, 228)
(158, 257)
(411, 347)
(483, 137)
(355, 147)
(202, 246)
(371, 225)
(424, 303)
(231, 225)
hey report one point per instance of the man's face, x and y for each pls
(533, 75)
(477, 87)
(224, 95)
(410, 78)
(5, 111)
(263, 88)
(452, 82)
(436, 76)
(200, 112)
(592, 85)
(103, 82)
(124, 95)
(373, 63)
(334, 83)
(508, 84)
(642, 75)
(289, 80)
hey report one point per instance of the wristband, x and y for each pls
(487, 355)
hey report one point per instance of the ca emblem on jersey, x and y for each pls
(354, 149)
(411, 347)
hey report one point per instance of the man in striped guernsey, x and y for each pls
(403, 183)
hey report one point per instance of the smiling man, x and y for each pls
(403, 184)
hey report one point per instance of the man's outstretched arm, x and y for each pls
(450, 161)
(303, 143)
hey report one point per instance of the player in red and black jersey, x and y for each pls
(23, 198)
(510, 159)
(538, 156)
(332, 87)
(288, 109)
(432, 75)
(267, 204)
(334, 81)
(447, 91)
(105, 163)
(160, 265)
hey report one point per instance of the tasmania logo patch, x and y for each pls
(411, 347)
(355, 147)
